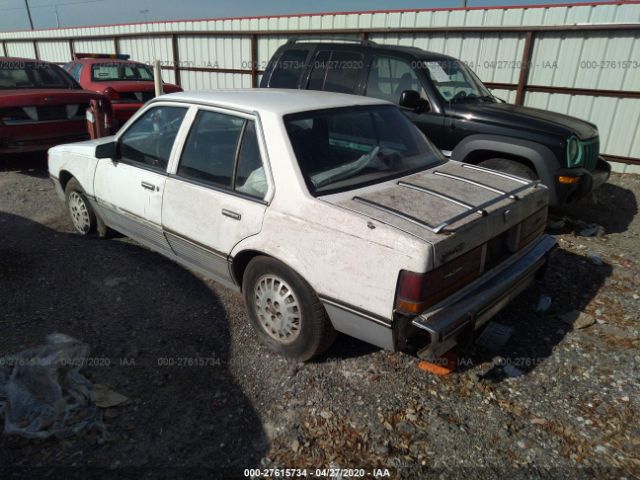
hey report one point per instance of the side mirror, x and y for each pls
(107, 150)
(411, 100)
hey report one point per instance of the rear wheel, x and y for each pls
(511, 167)
(285, 312)
(80, 211)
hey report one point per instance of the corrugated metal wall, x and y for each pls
(600, 60)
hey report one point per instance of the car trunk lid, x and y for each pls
(454, 206)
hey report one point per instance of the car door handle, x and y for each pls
(230, 214)
(149, 186)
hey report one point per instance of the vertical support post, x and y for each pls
(254, 61)
(364, 36)
(157, 78)
(116, 45)
(527, 52)
(176, 59)
(72, 48)
(35, 49)
(5, 53)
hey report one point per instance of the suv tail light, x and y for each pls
(418, 291)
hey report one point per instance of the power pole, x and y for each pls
(26, 4)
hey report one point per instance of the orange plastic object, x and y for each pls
(443, 365)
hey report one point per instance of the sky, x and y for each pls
(13, 14)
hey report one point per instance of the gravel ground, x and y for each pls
(559, 400)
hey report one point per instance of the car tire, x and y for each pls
(511, 167)
(285, 311)
(82, 215)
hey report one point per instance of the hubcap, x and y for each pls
(79, 212)
(277, 308)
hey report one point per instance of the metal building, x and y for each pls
(581, 59)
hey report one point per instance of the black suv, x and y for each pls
(449, 103)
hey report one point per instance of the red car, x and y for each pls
(40, 106)
(128, 85)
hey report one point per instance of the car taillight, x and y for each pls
(532, 227)
(418, 291)
(111, 94)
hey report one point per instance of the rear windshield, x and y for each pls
(20, 74)
(345, 148)
(109, 72)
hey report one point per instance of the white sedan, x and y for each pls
(329, 212)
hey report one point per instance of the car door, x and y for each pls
(129, 188)
(216, 194)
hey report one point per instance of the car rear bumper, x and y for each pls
(447, 322)
(586, 181)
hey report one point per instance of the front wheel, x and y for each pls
(511, 167)
(285, 312)
(80, 211)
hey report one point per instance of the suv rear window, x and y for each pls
(336, 71)
(103, 72)
(288, 69)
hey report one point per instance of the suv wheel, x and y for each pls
(511, 167)
(80, 211)
(285, 312)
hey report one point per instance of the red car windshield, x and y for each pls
(20, 74)
(109, 72)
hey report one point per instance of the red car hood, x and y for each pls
(137, 86)
(35, 97)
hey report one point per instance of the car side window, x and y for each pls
(250, 175)
(150, 139)
(222, 151)
(389, 77)
(288, 69)
(336, 71)
(210, 151)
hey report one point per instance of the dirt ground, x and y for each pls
(560, 400)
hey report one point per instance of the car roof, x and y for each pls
(271, 100)
(414, 52)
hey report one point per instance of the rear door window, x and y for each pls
(336, 71)
(289, 69)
